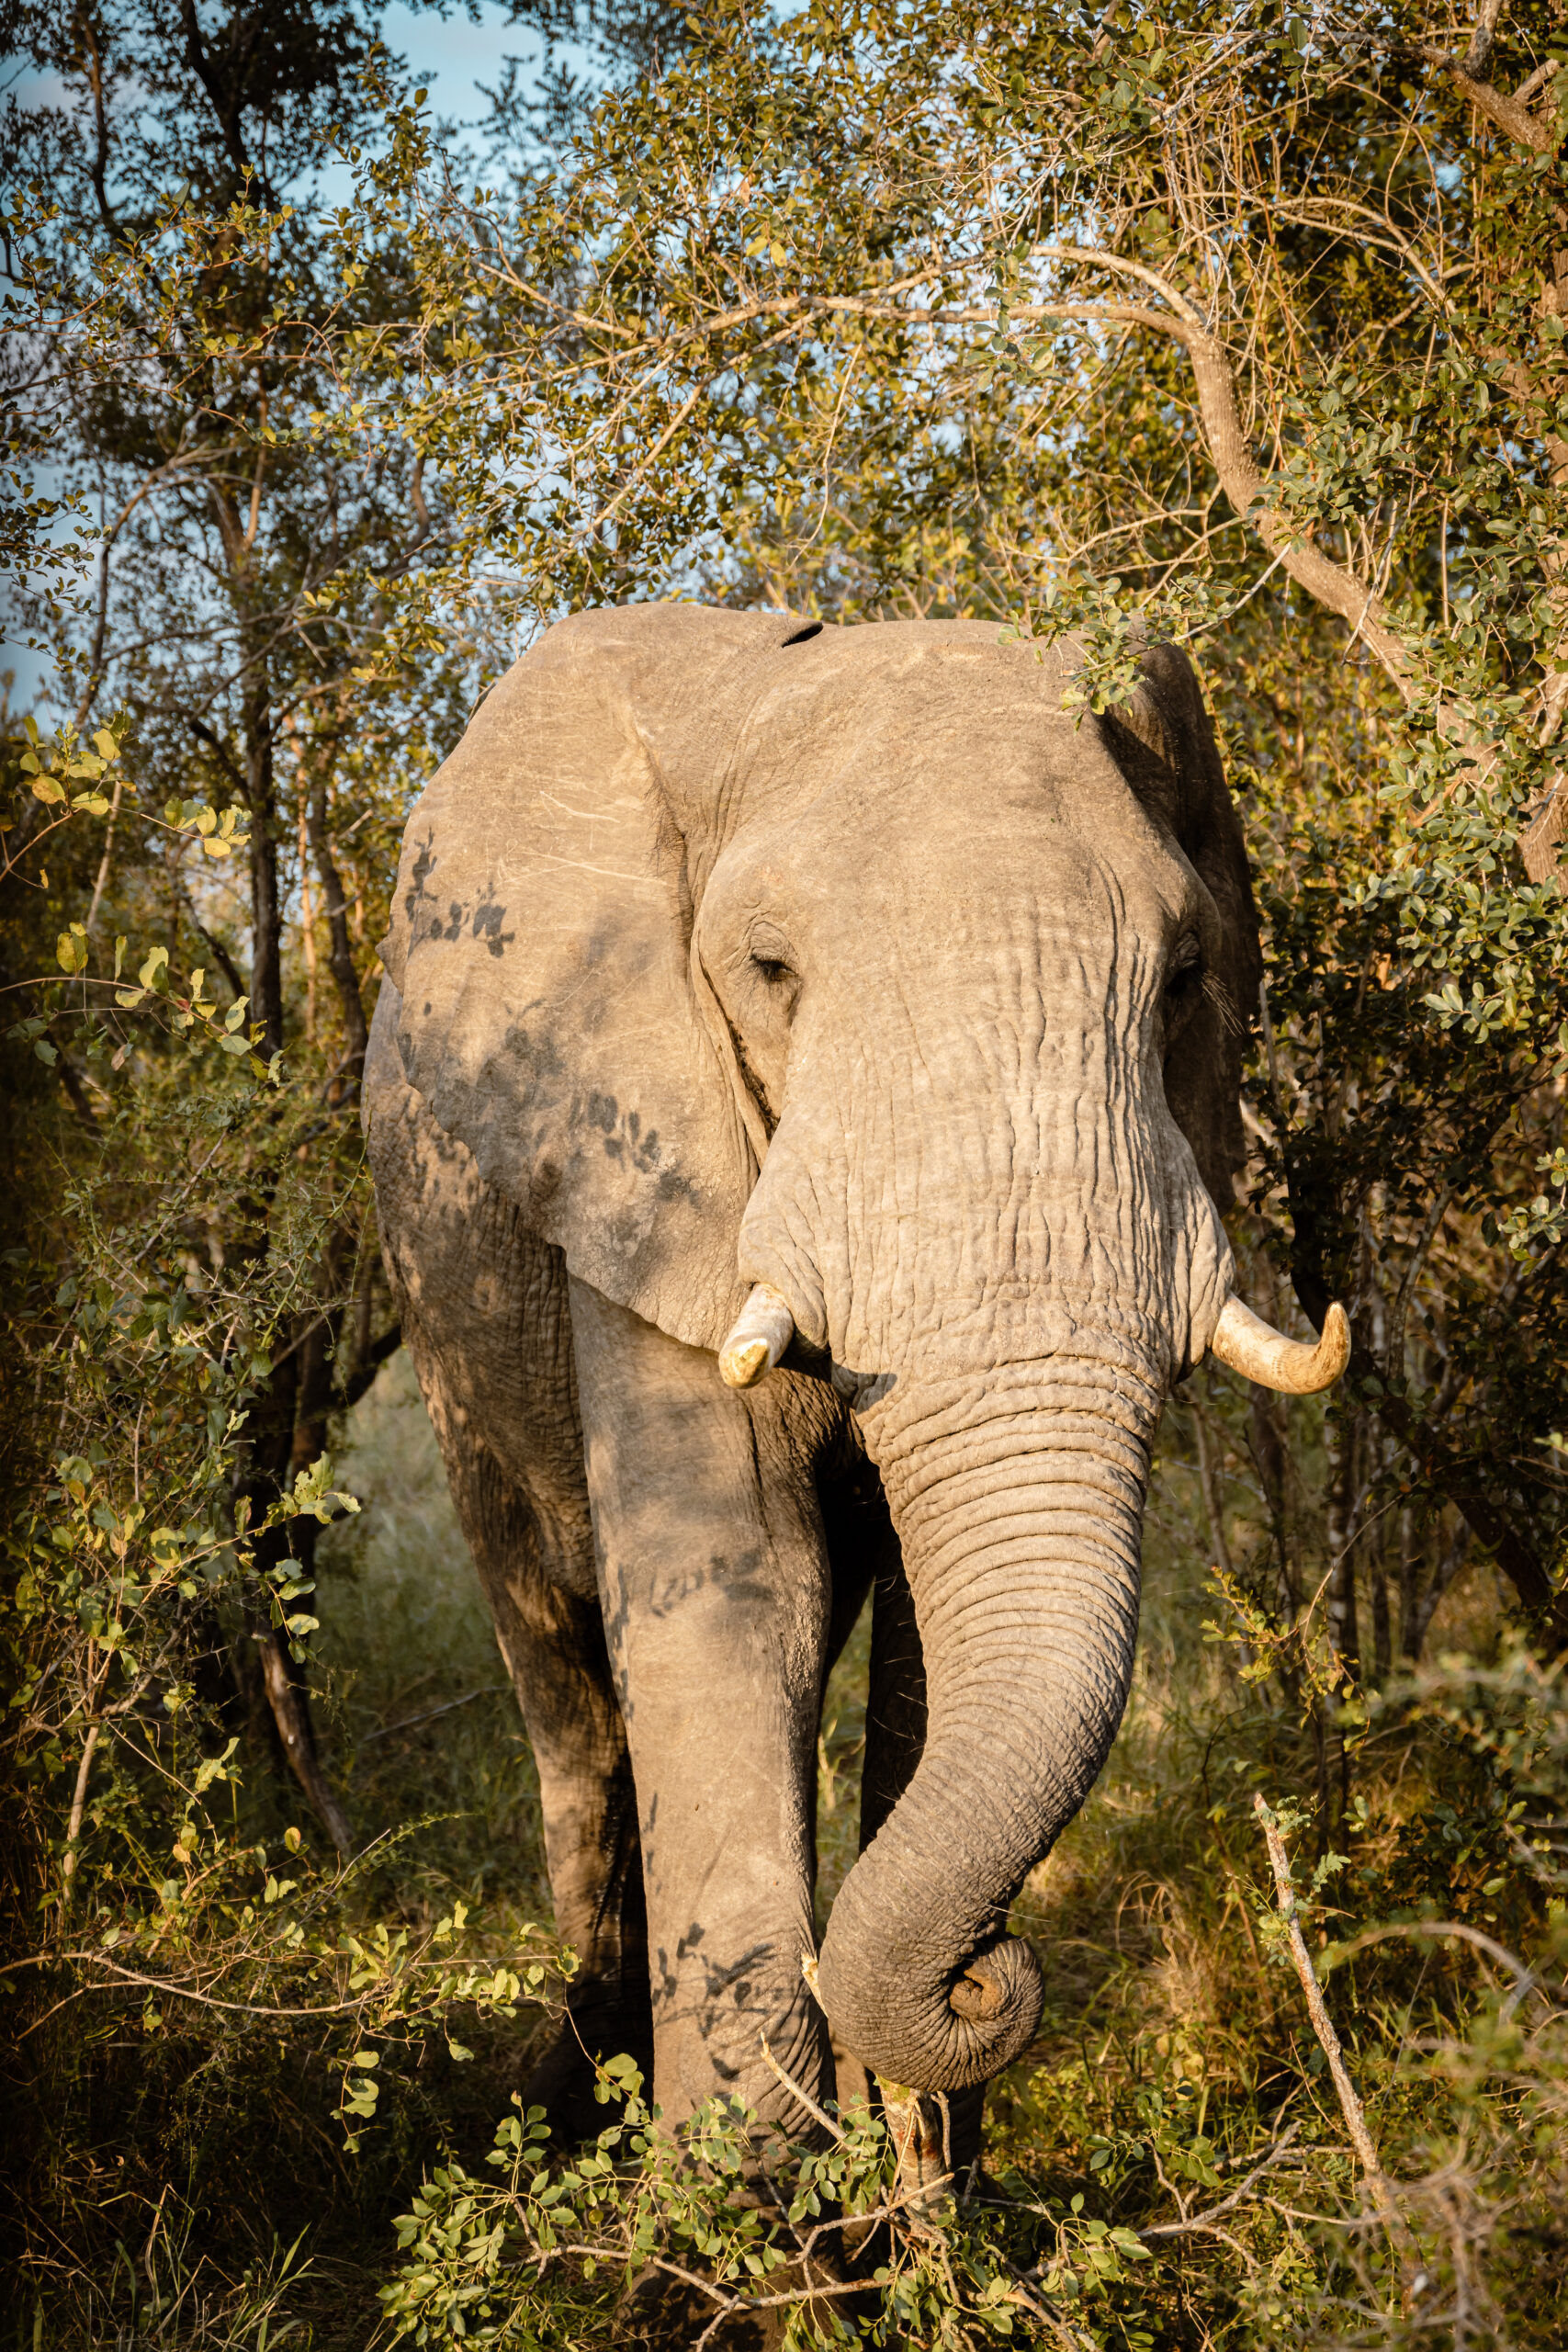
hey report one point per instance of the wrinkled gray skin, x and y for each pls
(728, 951)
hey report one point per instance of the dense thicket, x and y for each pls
(1208, 322)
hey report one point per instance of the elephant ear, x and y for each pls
(540, 942)
(1163, 740)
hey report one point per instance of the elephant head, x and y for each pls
(831, 993)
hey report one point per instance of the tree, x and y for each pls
(1221, 327)
(181, 311)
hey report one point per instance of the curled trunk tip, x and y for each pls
(995, 2002)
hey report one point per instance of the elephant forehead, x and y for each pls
(985, 864)
(975, 759)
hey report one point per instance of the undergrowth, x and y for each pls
(338, 2156)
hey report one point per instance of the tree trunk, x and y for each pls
(266, 924)
(357, 1033)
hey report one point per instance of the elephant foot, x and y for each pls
(562, 2076)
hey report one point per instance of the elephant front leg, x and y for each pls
(552, 1641)
(716, 1602)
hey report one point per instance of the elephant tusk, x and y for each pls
(1257, 1352)
(763, 1330)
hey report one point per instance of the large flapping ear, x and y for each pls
(1163, 740)
(540, 941)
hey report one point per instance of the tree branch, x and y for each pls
(1350, 2106)
(341, 952)
(1505, 113)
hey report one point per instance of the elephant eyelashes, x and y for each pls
(1184, 968)
(770, 958)
(1184, 985)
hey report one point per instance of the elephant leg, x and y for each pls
(717, 1600)
(553, 1646)
(863, 1551)
(896, 1693)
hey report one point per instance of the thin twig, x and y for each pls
(1525, 1979)
(78, 1807)
(102, 882)
(1205, 2220)
(1350, 2106)
(1394, 1353)
(818, 2113)
(385, 1731)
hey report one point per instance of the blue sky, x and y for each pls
(451, 57)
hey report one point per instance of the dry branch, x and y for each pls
(1377, 2181)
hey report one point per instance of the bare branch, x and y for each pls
(1350, 2105)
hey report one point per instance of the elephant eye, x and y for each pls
(1185, 965)
(1186, 970)
(770, 957)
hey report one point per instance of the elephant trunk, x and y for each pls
(1018, 1495)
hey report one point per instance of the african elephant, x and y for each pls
(826, 1003)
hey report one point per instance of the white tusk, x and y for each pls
(1258, 1353)
(763, 1330)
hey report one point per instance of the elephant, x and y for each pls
(801, 1102)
